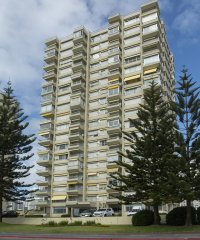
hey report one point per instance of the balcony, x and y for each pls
(43, 203)
(50, 56)
(114, 107)
(114, 141)
(46, 140)
(78, 66)
(50, 66)
(49, 75)
(46, 127)
(79, 104)
(114, 129)
(42, 183)
(114, 74)
(78, 85)
(76, 136)
(51, 41)
(43, 192)
(77, 115)
(114, 96)
(74, 191)
(44, 162)
(43, 172)
(151, 31)
(78, 76)
(114, 65)
(75, 146)
(80, 48)
(112, 164)
(75, 168)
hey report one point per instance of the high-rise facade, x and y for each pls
(93, 84)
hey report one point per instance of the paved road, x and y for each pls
(18, 236)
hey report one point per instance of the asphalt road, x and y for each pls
(18, 236)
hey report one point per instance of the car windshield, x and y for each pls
(102, 209)
(86, 211)
(135, 210)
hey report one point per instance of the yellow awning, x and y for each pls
(75, 182)
(113, 170)
(54, 198)
(132, 77)
(150, 71)
(113, 80)
(112, 87)
(90, 174)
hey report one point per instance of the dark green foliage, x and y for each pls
(52, 224)
(63, 223)
(198, 215)
(187, 108)
(143, 218)
(177, 216)
(76, 223)
(89, 223)
(65, 215)
(153, 167)
(15, 146)
(34, 216)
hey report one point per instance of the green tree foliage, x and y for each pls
(187, 108)
(14, 149)
(152, 166)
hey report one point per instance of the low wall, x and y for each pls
(125, 220)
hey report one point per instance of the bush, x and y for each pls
(34, 216)
(143, 218)
(52, 224)
(63, 223)
(89, 223)
(65, 215)
(75, 223)
(177, 216)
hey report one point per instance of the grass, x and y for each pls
(117, 229)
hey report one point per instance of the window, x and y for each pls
(132, 39)
(65, 53)
(132, 69)
(113, 158)
(66, 44)
(113, 91)
(95, 48)
(58, 168)
(131, 21)
(132, 59)
(63, 107)
(149, 17)
(96, 38)
(95, 65)
(47, 98)
(44, 157)
(113, 123)
(62, 118)
(61, 157)
(59, 210)
(132, 91)
(103, 143)
(113, 50)
(95, 56)
(66, 61)
(151, 59)
(103, 101)
(131, 113)
(151, 28)
(63, 98)
(93, 133)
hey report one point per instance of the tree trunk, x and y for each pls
(188, 221)
(1, 208)
(156, 215)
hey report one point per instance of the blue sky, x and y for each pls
(26, 24)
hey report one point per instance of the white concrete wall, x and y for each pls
(125, 220)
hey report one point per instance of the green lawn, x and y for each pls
(11, 228)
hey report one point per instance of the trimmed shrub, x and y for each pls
(76, 223)
(52, 224)
(143, 218)
(63, 223)
(89, 223)
(177, 216)
(65, 215)
(34, 216)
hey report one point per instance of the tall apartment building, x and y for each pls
(93, 84)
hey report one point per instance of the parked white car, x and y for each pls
(135, 209)
(103, 212)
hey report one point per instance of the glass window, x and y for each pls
(151, 28)
(61, 147)
(113, 123)
(62, 127)
(151, 59)
(132, 59)
(149, 17)
(47, 89)
(113, 91)
(113, 59)
(113, 30)
(132, 49)
(132, 69)
(131, 21)
(59, 210)
(131, 91)
(46, 108)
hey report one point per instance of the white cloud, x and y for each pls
(24, 26)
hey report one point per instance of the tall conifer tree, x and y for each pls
(187, 108)
(151, 165)
(15, 146)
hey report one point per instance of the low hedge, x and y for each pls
(143, 218)
(177, 216)
(34, 216)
